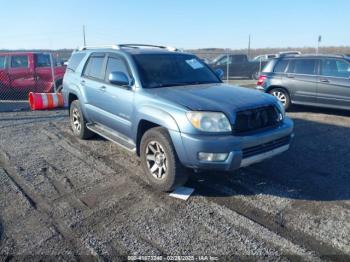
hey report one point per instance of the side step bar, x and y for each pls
(113, 136)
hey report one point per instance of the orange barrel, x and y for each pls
(39, 101)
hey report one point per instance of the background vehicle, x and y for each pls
(316, 80)
(239, 65)
(264, 58)
(172, 110)
(283, 53)
(23, 72)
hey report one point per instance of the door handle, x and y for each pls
(324, 80)
(103, 88)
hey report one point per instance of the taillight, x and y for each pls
(261, 80)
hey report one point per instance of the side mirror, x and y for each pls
(118, 78)
(219, 72)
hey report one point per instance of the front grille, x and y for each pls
(252, 120)
(263, 148)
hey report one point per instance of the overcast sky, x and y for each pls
(181, 23)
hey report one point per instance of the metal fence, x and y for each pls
(24, 72)
(42, 72)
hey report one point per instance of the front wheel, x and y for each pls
(282, 95)
(160, 161)
(77, 121)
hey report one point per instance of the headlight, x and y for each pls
(209, 121)
(281, 109)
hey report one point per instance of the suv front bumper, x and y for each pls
(242, 150)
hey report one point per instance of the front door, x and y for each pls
(118, 100)
(334, 83)
(43, 73)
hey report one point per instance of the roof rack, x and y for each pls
(169, 48)
(306, 55)
(99, 47)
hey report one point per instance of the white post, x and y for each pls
(227, 66)
(53, 73)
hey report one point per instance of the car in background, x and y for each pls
(315, 80)
(284, 53)
(172, 110)
(24, 72)
(238, 65)
(264, 58)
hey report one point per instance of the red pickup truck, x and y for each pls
(24, 72)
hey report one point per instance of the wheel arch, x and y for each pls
(279, 87)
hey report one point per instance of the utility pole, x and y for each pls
(84, 35)
(249, 47)
(318, 43)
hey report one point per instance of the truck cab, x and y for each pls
(24, 72)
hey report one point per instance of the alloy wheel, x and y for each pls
(280, 96)
(156, 160)
(76, 120)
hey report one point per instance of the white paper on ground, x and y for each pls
(182, 192)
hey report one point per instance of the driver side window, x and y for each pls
(116, 64)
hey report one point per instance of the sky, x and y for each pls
(184, 24)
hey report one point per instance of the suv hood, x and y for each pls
(214, 97)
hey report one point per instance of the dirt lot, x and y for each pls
(67, 199)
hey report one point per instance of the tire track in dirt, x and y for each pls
(73, 143)
(42, 206)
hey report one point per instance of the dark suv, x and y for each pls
(316, 80)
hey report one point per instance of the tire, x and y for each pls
(78, 122)
(172, 173)
(254, 76)
(282, 95)
(59, 88)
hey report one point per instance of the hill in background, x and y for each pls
(210, 53)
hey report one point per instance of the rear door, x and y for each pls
(91, 81)
(301, 79)
(21, 73)
(334, 82)
(4, 77)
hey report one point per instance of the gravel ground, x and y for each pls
(66, 199)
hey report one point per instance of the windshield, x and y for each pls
(161, 70)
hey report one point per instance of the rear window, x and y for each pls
(302, 66)
(75, 60)
(94, 67)
(19, 61)
(281, 66)
(269, 66)
(2, 62)
(42, 60)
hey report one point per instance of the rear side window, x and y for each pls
(2, 62)
(116, 64)
(75, 60)
(19, 61)
(94, 67)
(42, 60)
(303, 66)
(281, 66)
(335, 68)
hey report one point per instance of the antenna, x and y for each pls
(84, 38)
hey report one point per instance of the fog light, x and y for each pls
(212, 157)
